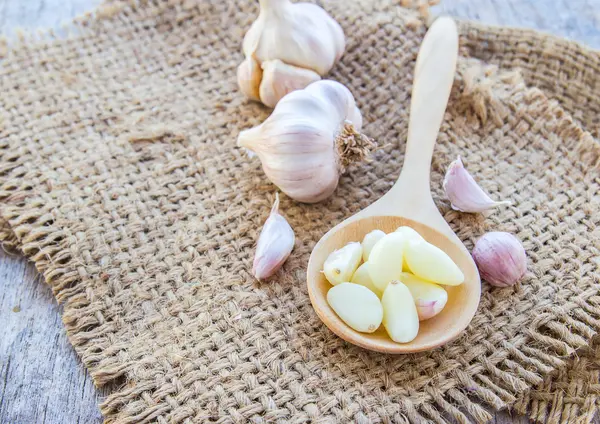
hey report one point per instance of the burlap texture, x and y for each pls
(120, 179)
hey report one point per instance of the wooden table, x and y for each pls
(41, 378)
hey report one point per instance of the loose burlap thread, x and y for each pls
(120, 179)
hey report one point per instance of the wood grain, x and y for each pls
(41, 379)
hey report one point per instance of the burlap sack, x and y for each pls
(120, 179)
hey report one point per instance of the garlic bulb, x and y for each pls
(464, 193)
(501, 259)
(309, 139)
(275, 244)
(301, 36)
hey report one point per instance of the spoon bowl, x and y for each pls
(447, 325)
(409, 203)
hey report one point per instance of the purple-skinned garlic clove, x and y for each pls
(275, 243)
(501, 259)
(464, 193)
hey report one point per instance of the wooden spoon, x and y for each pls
(409, 202)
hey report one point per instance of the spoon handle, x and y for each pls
(432, 82)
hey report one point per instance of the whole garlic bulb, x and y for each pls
(309, 139)
(301, 36)
(501, 259)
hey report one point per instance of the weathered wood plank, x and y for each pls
(41, 379)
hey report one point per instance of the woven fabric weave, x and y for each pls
(120, 179)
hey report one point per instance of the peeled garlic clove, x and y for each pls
(429, 298)
(308, 140)
(361, 276)
(400, 317)
(341, 264)
(409, 233)
(357, 306)
(385, 260)
(275, 243)
(464, 193)
(280, 79)
(501, 259)
(432, 264)
(369, 241)
(249, 76)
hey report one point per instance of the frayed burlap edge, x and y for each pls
(30, 232)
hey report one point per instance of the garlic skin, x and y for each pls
(301, 35)
(249, 76)
(275, 243)
(464, 193)
(308, 140)
(501, 259)
(279, 79)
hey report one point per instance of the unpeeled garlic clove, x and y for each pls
(275, 243)
(429, 298)
(464, 193)
(341, 264)
(357, 306)
(431, 263)
(249, 76)
(400, 317)
(309, 139)
(279, 79)
(363, 277)
(369, 241)
(501, 259)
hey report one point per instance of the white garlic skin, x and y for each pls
(357, 306)
(464, 193)
(301, 35)
(297, 142)
(279, 79)
(275, 243)
(501, 259)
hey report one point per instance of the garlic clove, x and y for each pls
(464, 193)
(501, 259)
(341, 264)
(308, 140)
(429, 298)
(400, 317)
(409, 234)
(249, 76)
(279, 79)
(385, 260)
(361, 276)
(275, 243)
(432, 264)
(369, 241)
(357, 306)
(299, 35)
